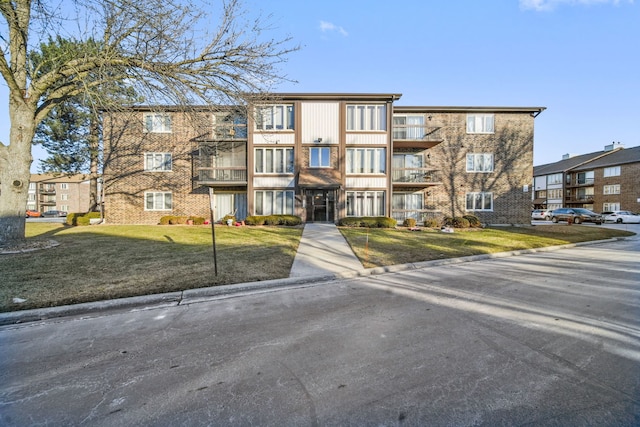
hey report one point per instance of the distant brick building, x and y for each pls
(321, 157)
(607, 180)
(68, 193)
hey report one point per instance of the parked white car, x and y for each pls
(543, 214)
(621, 217)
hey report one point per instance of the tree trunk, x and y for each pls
(94, 153)
(15, 165)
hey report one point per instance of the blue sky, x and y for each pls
(578, 58)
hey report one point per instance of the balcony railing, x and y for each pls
(581, 182)
(418, 214)
(236, 175)
(415, 176)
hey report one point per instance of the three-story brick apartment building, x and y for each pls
(321, 157)
(607, 180)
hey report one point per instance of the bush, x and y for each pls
(228, 217)
(409, 222)
(254, 220)
(197, 220)
(289, 220)
(473, 221)
(432, 223)
(82, 218)
(166, 220)
(368, 222)
(459, 222)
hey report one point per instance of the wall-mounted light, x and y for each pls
(319, 139)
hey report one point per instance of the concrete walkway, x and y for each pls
(323, 251)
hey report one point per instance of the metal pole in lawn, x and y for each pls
(213, 228)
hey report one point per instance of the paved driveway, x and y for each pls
(551, 338)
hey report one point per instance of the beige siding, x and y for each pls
(320, 120)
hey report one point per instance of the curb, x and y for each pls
(194, 296)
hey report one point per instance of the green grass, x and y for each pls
(381, 247)
(110, 261)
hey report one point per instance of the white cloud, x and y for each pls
(544, 5)
(328, 26)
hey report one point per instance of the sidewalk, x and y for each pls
(322, 251)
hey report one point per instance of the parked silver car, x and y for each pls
(544, 214)
(576, 215)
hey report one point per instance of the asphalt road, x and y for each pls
(551, 338)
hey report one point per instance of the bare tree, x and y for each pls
(178, 52)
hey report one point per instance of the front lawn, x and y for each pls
(378, 247)
(112, 261)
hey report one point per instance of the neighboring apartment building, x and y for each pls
(606, 180)
(69, 193)
(321, 157)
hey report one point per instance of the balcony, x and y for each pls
(47, 202)
(416, 136)
(227, 176)
(418, 214)
(581, 182)
(415, 177)
(47, 190)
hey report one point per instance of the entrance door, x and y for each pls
(320, 205)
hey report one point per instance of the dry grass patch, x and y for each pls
(103, 262)
(382, 247)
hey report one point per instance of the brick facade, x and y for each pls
(444, 151)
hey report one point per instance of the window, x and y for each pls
(157, 162)
(479, 201)
(480, 123)
(366, 117)
(274, 160)
(365, 203)
(480, 162)
(275, 117)
(276, 202)
(157, 122)
(64, 196)
(612, 171)
(64, 208)
(554, 179)
(584, 177)
(555, 193)
(612, 189)
(320, 157)
(408, 127)
(608, 207)
(64, 186)
(407, 205)
(157, 201)
(32, 186)
(366, 160)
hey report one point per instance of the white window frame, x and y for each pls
(274, 202)
(64, 186)
(274, 160)
(611, 189)
(556, 178)
(64, 208)
(324, 157)
(610, 207)
(157, 123)
(481, 123)
(408, 126)
(158, 201)
(158, 162)
(366, 161)
(479, 201)
(277, 117)
(357, 203)
(480, 162)
(611, 171)
(366, 117)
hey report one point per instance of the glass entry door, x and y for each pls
(320, 205)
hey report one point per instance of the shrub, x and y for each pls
(459, 222)
(473, 221)
(166, 220)
(197, 220)
(368, 221)
(254, 220)
(82, 218)
(409, 222)
(290, 220)
(432, 223)
(178, 220)
(228, 217)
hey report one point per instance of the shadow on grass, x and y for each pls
(104, 262)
